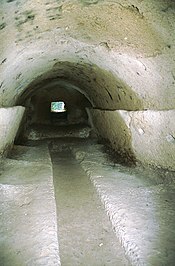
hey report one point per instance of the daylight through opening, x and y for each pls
(58, 107)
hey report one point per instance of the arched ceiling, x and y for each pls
(119, 54)
(99, 86)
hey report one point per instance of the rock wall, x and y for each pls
(118, 54)
(10, 119)
(111, 127)
(147, 136)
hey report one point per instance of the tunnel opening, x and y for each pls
(57, 107)
(92, 96)
(111, 63)
(58, 112)
(54, 111)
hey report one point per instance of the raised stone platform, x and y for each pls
(139, 203)
(145, 136)
(28, 231)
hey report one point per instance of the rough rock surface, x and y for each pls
(139, 202)
(118, 54)
(147, 136)
(121, 51)
(28, 231)
(10, 119)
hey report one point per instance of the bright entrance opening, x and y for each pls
(58, 107)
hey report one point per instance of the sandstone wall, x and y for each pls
(10, 119)
(118, 54)
(147, 136)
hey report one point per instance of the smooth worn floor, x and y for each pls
(84, 230)
(28, 226)
(57, 212)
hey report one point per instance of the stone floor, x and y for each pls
(139, 202)
(28, 231)
(84, 230)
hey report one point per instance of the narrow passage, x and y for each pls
(84, 232)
